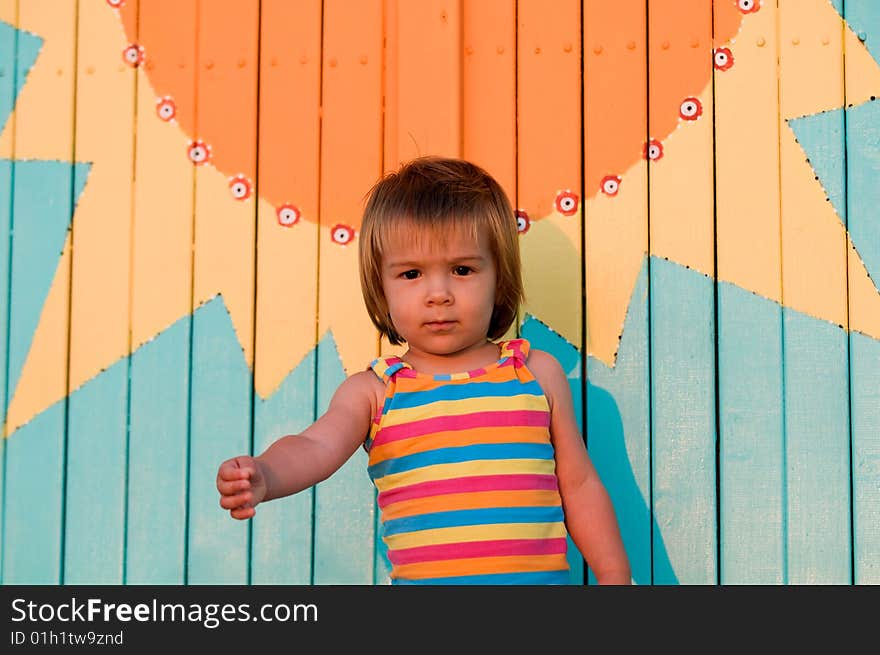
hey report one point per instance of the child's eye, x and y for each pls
(411, 274)
(462, 270)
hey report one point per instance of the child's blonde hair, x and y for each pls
(440, 194)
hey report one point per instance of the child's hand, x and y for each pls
(241, 485)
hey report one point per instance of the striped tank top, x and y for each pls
(466, 477)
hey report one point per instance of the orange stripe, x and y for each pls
(472, 500)
(481, 565)
(447, 438)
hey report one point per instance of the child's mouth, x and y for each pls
(440, 325)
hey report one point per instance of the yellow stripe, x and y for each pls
(475, 533)
(464, 469)
(465, 406)
(481, 566)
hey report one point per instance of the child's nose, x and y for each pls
(439, 294)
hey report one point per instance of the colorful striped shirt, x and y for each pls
(466, 476)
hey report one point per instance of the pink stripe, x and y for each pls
(467, 484)
(497, 548)
(521, 417)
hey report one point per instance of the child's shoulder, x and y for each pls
(361, 387)
(540, 361)
(548, 373)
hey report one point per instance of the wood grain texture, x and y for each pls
(100, 304)
(34, 484)
(224, 231)
(682, 341)
(862, 198)
(488, 81)
(751, 456)
(351, 162)
(8, 55)
(549, 143)
(617, 407)
(287, 269)
(815, 358)
(161, 297)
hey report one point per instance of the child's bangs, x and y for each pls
(424, 233)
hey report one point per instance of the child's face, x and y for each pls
(440, 293)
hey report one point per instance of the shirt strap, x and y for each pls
(516, 348)
(386, 367)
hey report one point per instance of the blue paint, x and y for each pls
(41, 216)
(752, 439)
(33, 513)
(27, 47)
(838, 5)
(345, 509)
(817, 453)
(683, 425)
(618, 438)
(821, 138)
(94, 520)
(220, 428)
(863, 183)
(865, 376)
(282, 529)
(157, 473)
(863, 18)
(542, 337)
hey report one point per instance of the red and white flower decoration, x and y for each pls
(566, 202)
(116, 4)
(134, 55)
(288, 215)
(610, 185)
(723, 59)
(240, 187)
(166, 108)
(690, 109)
(748, 6)
(199, 152)
(342, 234)
(522, 221)
(653, 150)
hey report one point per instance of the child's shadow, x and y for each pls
(607, 445)
(638, 527)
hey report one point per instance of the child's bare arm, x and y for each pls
(589, 514)
(295, 462)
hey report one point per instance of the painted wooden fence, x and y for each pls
(181, 182)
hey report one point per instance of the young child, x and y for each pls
(473, 446)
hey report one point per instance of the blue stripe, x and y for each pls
(407, 399)
(461, 454)
(483, 516)
(529, 578)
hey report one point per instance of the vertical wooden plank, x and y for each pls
(751, 448)
(33, 512)
(815, 352)
(9, 66)
(862, 126)
(222, 386)
(98, 411)
(615, 245)
(428, 77)
(549, 160)
(351, 162)
(488, 80)
(287, 267)
(682, 311)
(161, 291)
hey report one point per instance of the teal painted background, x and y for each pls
(740, 440)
